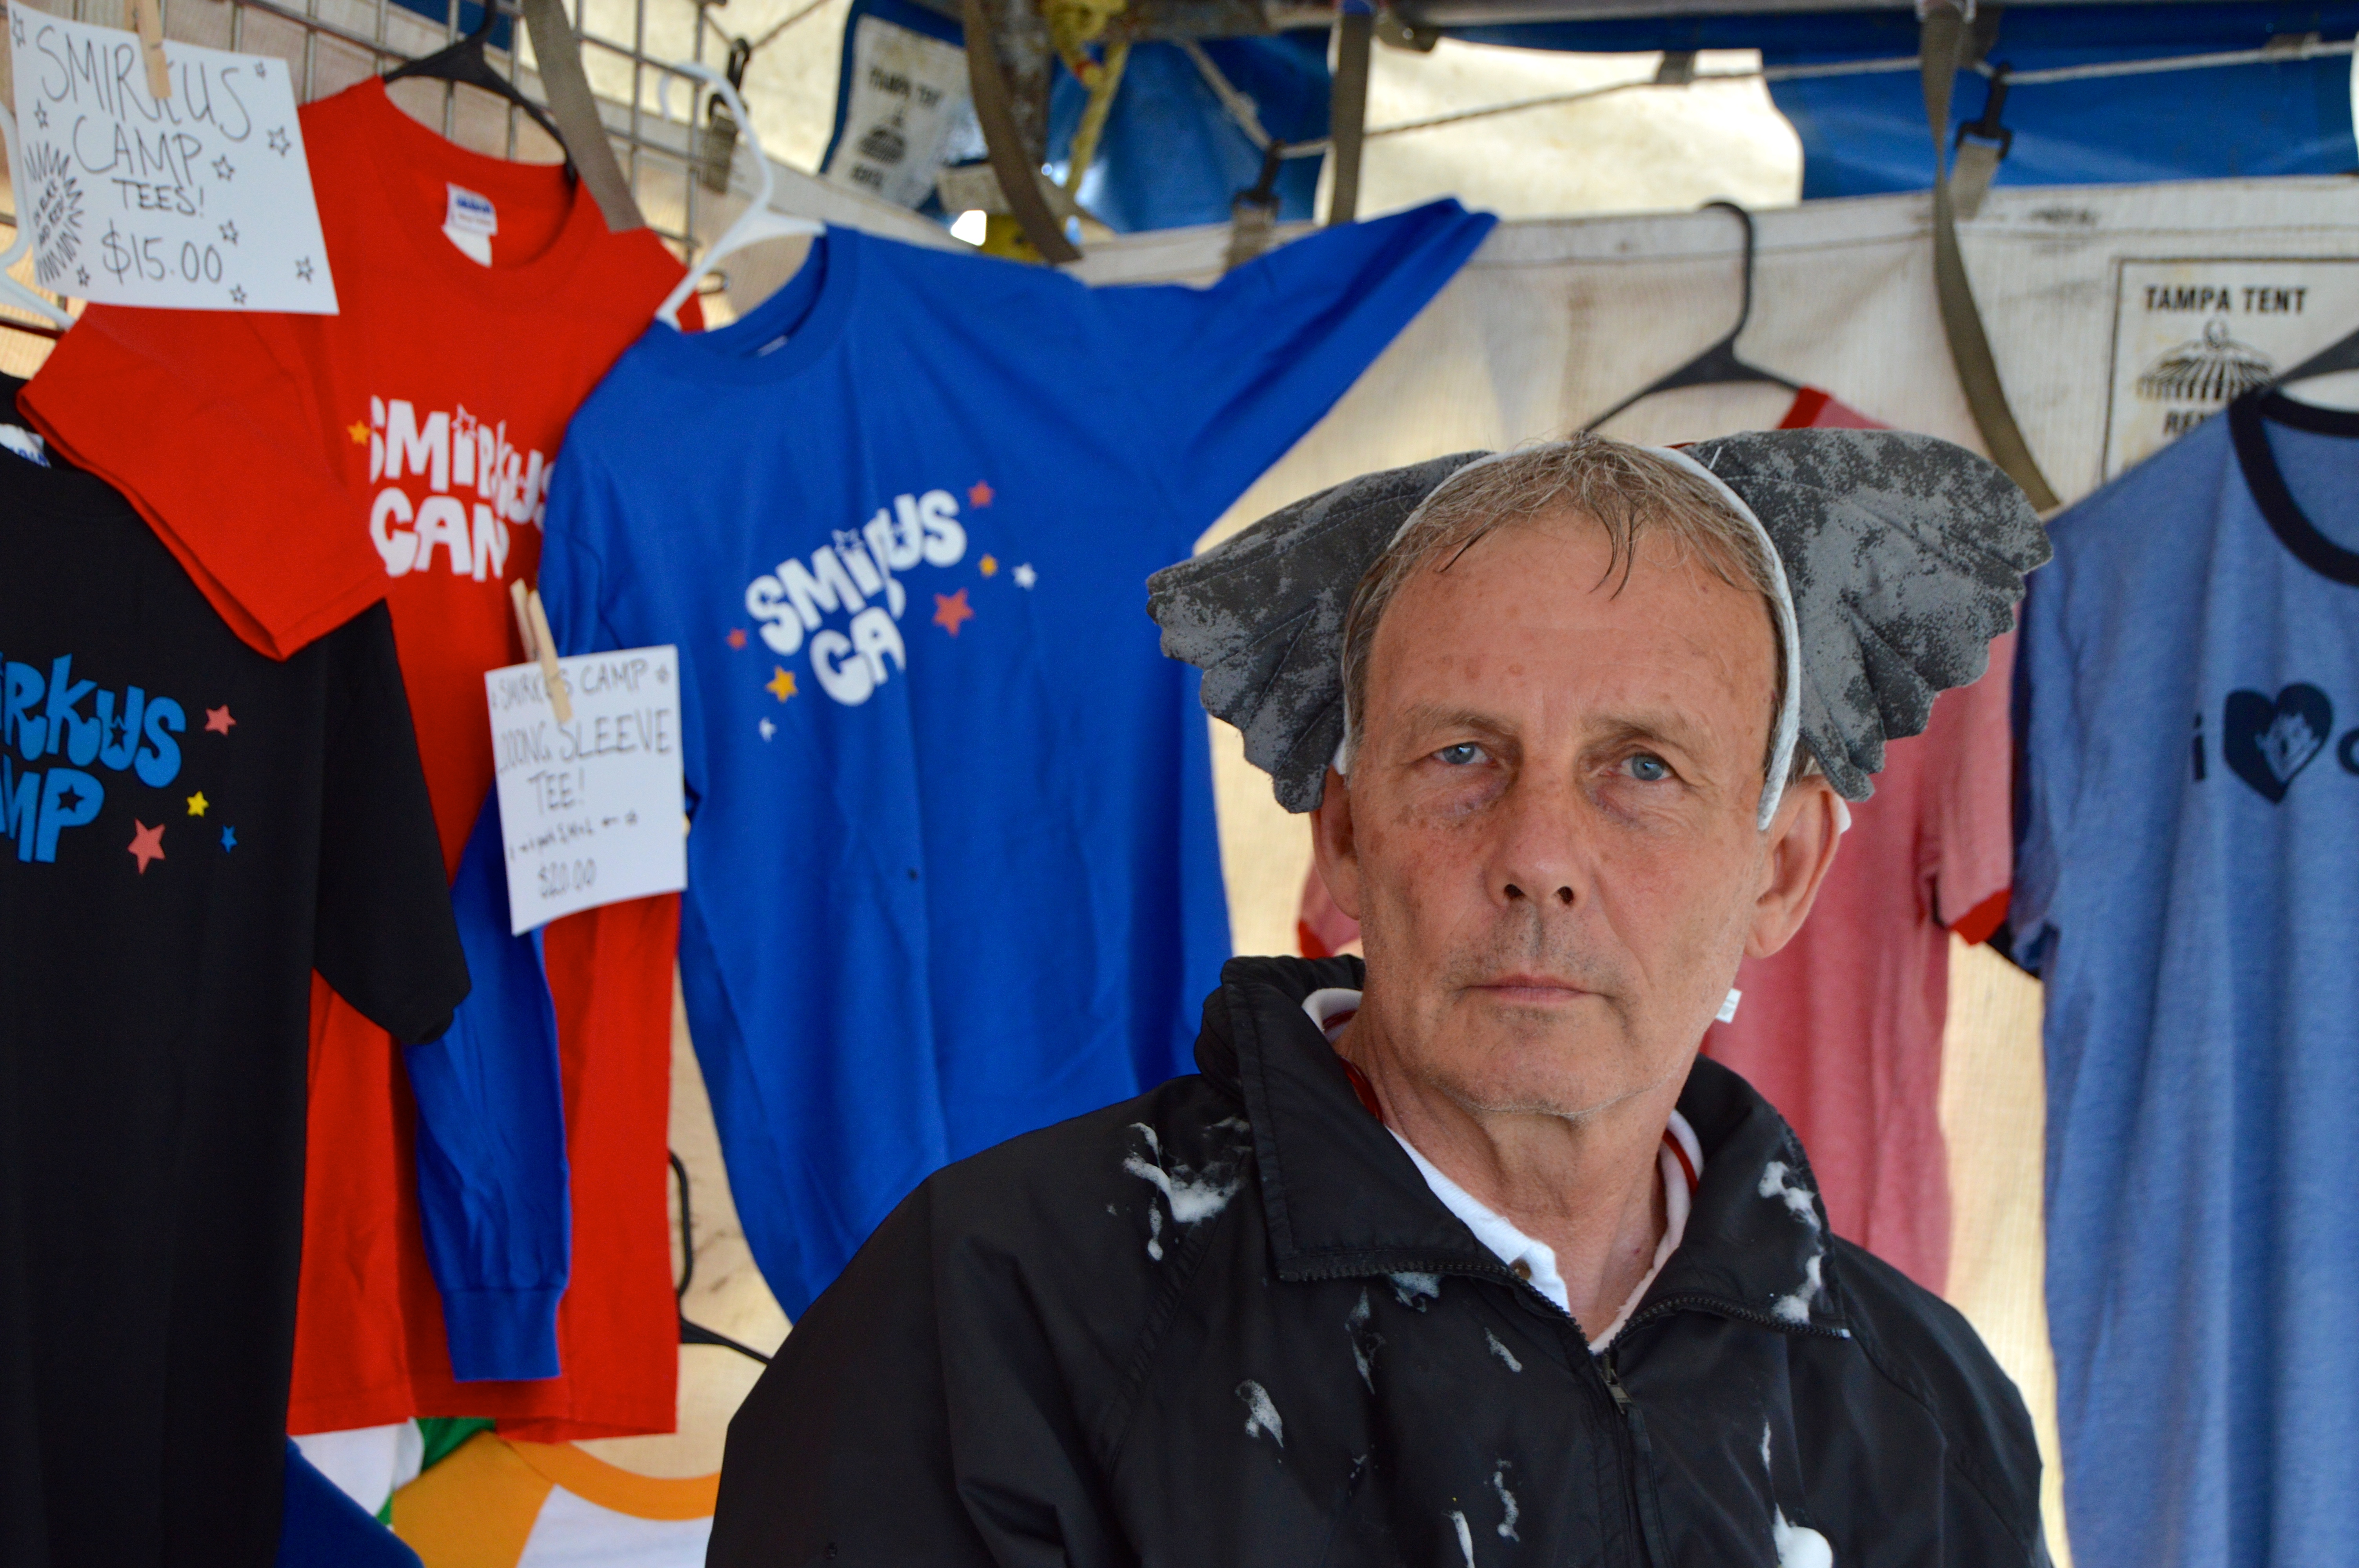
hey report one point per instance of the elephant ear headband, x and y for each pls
(1898, 556)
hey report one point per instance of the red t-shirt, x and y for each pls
(301, 467)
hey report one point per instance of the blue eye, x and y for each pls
(1648, 768)
(1460, 755)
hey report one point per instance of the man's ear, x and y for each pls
(1801, 849)
(1334, 846)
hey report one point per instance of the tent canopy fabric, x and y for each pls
(1173, 155)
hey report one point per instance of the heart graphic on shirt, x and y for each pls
(2267, 742)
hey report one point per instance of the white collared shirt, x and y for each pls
(1680, 1161)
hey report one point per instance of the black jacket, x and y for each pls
(1227, 1324)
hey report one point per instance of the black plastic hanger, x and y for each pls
(1717, 365)
(463, 62)
(2341, 355)
(696, 1333)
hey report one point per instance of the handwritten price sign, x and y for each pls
(590, 811)
(199, 202)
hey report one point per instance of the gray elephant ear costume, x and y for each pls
(1902, 557)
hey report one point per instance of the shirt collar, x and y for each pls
(1679, 1162)
(1342, 1198)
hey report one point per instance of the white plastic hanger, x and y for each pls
(11, 291)
(757, 222)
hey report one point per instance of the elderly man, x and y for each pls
(1464, 1256)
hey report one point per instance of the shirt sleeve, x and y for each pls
(1233, 375)
(1972, 833)
(383, 936)
(2051, 727)
(319, 1522)
(205, 420)
(494, 1188)
(572, 575)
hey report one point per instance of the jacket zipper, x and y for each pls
(1647, 1497)
(1650, 1502)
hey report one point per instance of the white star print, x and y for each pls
(1024, 576)
(768, 728)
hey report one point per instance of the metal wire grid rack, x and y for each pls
(628, 46)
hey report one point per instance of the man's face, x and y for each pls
(1549, 832)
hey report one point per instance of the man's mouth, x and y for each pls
(1531, 991)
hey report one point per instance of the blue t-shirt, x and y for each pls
(2187, 884)
(953, 871)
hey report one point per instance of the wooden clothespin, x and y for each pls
(147, 21)
(523, 616)
(532, 626)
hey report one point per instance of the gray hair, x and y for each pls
(1630, 492)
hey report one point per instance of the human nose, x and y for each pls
(1535, 853)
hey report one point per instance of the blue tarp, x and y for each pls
(1172, 157)
(1863, 135)
(471, 17)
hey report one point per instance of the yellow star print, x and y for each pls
(358, 432)
(781, 684)
(990, 564)
(197, 804)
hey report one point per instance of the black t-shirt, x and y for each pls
(191, 829)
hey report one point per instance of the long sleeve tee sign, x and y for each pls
(303, 467)
(2190, 693)
(191, 829)
(953, 873)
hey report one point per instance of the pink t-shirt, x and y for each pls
(1841, 1030)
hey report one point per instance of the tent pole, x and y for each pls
(1348, 111)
